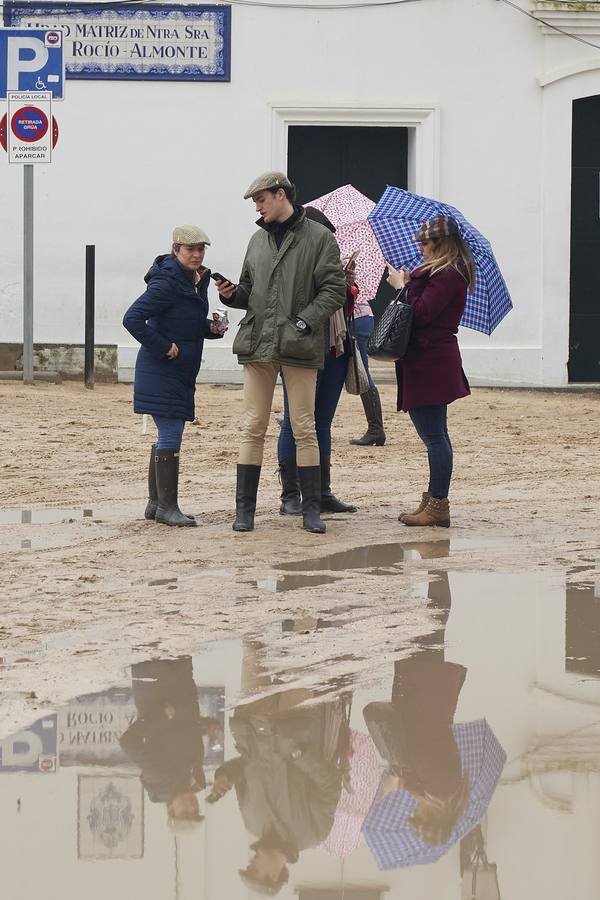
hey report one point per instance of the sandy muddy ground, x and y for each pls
(85, 594)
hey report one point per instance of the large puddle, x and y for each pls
(371, 556)
(206, 777)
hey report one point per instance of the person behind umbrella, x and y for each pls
(414, 735)
(287, 778)
(167, 738)
(362, 326)
(330, 381)
(431, 375)
(170, 320)
(292, 282)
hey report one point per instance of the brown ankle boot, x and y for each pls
(437, 512)
(422, 505)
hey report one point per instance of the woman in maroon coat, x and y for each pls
(431, 375)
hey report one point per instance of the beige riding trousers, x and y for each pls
(259, 385)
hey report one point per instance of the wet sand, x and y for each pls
(83, 595)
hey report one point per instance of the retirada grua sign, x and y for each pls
(134, 41)
(29, 127)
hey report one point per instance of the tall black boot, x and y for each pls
(245, 497)
(329, 502)
(310, 485)
(374, 433)
(150, 511)
(290, 489)
(167, 480)
(152, 504)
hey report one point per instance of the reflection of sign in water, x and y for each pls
(90, 726)
(34, 749)
(110, 817)
(134, 41)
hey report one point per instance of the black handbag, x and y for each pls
(479, 877)
(390, 337)
(357, 380)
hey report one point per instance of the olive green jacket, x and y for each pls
(303, 279)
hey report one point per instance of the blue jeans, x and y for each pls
(330, 382)
(170, 432)
(363, 329)
(432, 428)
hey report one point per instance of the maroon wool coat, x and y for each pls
(431, 373)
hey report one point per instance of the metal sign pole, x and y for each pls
(28, 274)
(90, 297)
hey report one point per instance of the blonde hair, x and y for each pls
(434, 820)
(453, 252)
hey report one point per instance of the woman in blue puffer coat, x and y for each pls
(170, 320)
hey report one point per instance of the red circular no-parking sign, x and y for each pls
(3, 124)
(29, 124)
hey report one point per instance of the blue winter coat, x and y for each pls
(171, 310)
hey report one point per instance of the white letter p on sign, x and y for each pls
(16, 64)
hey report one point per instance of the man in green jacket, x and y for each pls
(292, 281)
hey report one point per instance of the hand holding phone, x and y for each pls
(216, 276)
(225, 287)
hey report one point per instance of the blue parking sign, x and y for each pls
(34, 749)
(31, 59)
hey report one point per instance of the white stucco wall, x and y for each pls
(135, 158)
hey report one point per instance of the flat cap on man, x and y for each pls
(190, 234)
(267, 180)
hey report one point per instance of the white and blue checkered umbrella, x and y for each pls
(395, 221)
(386, 828)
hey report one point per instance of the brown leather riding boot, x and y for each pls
(437, 512)
(422, 505)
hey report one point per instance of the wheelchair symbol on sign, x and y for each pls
(39, 85)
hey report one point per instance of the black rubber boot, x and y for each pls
(245, 497)
(329, 502)
(150, 511)
(167, 479)
(374, 433)
(310, 486)
(152, 504)
(290, 489)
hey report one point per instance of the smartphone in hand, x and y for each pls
(216, 276)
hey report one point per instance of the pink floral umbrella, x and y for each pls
(348, 209)
(353, 806)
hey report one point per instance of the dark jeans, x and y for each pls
(431, 425)
(170, 432)
(363, 328)
(330, 382)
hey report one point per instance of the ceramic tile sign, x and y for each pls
(134, 41)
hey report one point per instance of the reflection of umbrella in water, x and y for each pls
(353, 805)
(396, 219)
(386, 828)
(348, 209)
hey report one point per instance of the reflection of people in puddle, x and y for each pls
(287, 778)
(414, 735)
(166, 739)
(439, 598)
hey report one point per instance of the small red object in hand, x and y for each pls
(353, 292)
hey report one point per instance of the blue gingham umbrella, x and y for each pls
(391, 839)
(396, 219)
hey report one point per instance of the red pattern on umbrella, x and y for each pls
(365, 775)
(348, 209)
